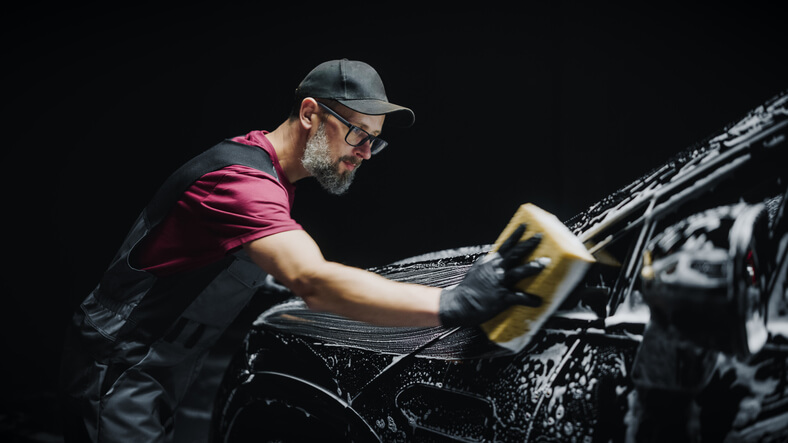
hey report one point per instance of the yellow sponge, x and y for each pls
(568, 262)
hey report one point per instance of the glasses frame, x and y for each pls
(375, 144)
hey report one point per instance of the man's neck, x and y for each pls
(289, 144)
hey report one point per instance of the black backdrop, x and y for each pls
(557, 105)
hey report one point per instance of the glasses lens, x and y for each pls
(356, 136)
(377, 146)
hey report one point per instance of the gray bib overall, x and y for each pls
(137, 342)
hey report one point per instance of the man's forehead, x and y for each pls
(370, 123)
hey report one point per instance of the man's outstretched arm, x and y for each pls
(294, 259)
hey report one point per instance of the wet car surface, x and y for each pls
(638, 351)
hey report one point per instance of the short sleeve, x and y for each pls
(218, 214)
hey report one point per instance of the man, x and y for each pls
(218, 230)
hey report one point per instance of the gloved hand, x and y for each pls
(486, 289)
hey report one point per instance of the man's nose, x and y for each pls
(363, 150)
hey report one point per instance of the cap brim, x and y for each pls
(395, 114)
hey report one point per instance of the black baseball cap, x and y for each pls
(356, 85)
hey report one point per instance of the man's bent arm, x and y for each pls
(294, 259)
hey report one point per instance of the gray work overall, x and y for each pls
(137, 342)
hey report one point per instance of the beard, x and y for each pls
(318, 162)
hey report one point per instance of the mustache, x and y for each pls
(352, 159)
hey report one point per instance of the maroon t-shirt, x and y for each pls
(218, 214)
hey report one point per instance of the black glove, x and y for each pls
(486, 289)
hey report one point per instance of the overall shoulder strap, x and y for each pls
(224, 154)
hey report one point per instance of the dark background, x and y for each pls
(557, 105)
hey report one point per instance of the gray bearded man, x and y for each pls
(218, 229)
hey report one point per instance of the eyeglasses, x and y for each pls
(356, 136)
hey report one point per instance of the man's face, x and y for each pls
(330, 159)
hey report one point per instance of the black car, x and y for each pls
(677, 332)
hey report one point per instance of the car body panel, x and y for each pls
(574, 381)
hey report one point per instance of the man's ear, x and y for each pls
(308, 115)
